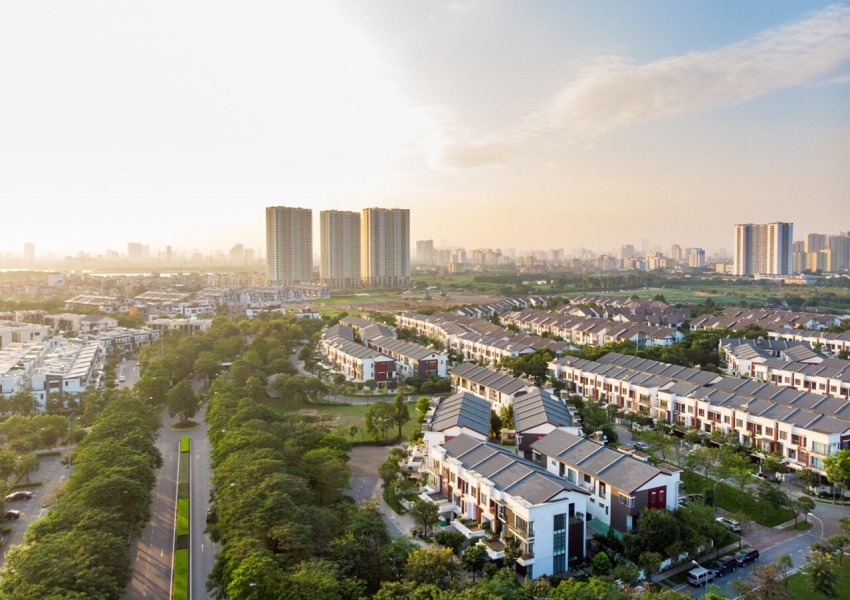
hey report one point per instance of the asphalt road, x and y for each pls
(202, 550)
(797, 548)
(129, 370)
(152, 553)
(51, 474)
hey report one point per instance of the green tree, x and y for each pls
(181, 400)
(820, 569)
(839, 544)
(432, 566)
(802, 506)
(601, 564)
(650, 562)
(379, 418)
(837, 467)
(513, 550)
(808, 478)
(425, 515)
(785, 563)
(473, 559)
(658, 531)
(400, 413)
(207, 365)
(452, 540)
(26, 464)
(327, 473)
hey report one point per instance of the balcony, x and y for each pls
(495, 548)
(469, 529)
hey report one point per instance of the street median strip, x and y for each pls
(180, 580)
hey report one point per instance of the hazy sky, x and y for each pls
(502, 124)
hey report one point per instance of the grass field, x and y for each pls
(799, 585)
(730, 499)
(343, 416)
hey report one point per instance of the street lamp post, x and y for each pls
(714, 493)
(812, 515)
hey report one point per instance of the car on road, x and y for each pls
(13, 514)
(724, 565)
(730, 524)
(700, 576)
(747, 556)
(19, 495)
(122, 379)
(641, 446)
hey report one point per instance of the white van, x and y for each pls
(700, 576)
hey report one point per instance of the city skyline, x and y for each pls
(552, 125)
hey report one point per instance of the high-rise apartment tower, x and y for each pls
(764, 249)
(385, 246)
(289, 245)
(340, 257)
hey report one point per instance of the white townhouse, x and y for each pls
(487, 484)
(620, 485)
(499, 389)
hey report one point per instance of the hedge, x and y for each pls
(184, 443)
(182, 516)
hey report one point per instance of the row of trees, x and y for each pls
(80, 549)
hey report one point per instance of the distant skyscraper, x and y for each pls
(815, 242)
(137, 252)
(289, 245)
(676, 253)
(340, 252)
(425, 252)
(764, 249)
(385, 246)
(237, 254)
(29, 252)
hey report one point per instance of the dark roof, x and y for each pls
(508, 473)
(537, 408)
(489, 378)
(461, 410)
(617, 469)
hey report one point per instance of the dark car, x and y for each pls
(20, 495)
(745, 557)
(13, 514)
(724, 565)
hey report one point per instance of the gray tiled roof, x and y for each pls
(461, 410)
(539, 407)
(615, 468)
(489, 378)
(508, 473)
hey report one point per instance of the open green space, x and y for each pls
(342, 416)
(800, 586)
(732, 500)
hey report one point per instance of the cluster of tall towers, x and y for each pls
(369, 248)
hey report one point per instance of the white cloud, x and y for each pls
(615, 92)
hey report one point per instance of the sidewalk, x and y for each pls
(403, 523)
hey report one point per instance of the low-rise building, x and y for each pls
(411, 360)
(499, 389)
(68, 367)
(537, 414)
(620, 485)
(490, 486)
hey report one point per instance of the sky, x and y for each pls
(501, 124)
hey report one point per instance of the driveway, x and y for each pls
(52, 474)
(129, 370)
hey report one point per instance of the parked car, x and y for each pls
(641, 446)
(745, 557)
(700, 576)
(724, 565)
(730, 524)
(13, 514)
(19, 495)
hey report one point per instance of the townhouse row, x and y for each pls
(591, 331)
(571, 489)
(648, 312)
(738, 319)
(476, 339)
(803, 427)
(787, 363)
(380, 357)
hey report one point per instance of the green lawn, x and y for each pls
(730, 499)
(182, 516)
(180, 590)
(343, 416)
(800, 587)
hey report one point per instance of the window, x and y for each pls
(601, 489)
(783, 435)
(571, 476)
(739, 423)
(627, 500)
(768, 430)
(587, 478)
(727, 419)
(535, 456)
(701, 412)
(452, 477)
